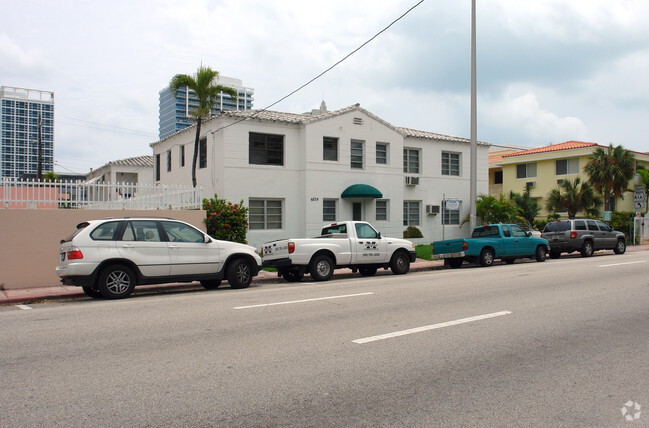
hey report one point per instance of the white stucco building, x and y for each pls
(296, 172)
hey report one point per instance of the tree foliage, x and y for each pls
(207, 92)
(490, 209)
(528, 207)
(226, 221)
(574, 196)
(609, 171)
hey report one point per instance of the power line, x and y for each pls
(104, 127)
(324, 72)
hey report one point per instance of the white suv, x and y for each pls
(109, 257)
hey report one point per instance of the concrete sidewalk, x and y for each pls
(63, 292)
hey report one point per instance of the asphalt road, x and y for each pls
(560, 343)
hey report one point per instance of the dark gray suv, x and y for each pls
(583, 235)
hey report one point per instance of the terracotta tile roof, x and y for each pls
(568, 145)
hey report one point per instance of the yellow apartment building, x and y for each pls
(545, 167)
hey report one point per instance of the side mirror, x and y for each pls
(378, 235)
(528, 234)
(207, 239)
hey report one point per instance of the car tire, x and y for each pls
(92, 292)
(367, 270)
(239, 273)
(453, 263)
(587, 249)
(211, 284)
(487, 257)
(116, 282)
(555, 254)
(321, 268)
(620, 246)
(400, 263)
(540, 254)
(292, 275)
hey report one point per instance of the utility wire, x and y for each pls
(324, 72)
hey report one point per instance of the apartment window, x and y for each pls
(202, 153)
(411, 213)
(357, 154)
(381, 210)
(526, 170)
(450, 216)
(157, 167)
(168, 160)
(265, 214)
(329, 148)
(450, 163)
(567, 166)
(382, 153)
(329, 210)
(265, 149)
(181, 155)
(411, 161)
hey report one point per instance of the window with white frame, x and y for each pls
(567, 166)
(450, 216)
(526, 170)
(450, 163)
(329, 210)
(265, 214)
(411, 161)
(382, 153)
(330, 148)
(356, 154)
(381, 210)
(411, 211)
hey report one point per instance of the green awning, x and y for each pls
(361, 191)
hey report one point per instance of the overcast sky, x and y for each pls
(548, 71)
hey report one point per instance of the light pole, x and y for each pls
(474, 132)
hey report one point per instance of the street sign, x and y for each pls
(607, 216)
(638, 206)
(639, 197)
(452, 204)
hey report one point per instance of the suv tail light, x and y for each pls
(573, 234)
(74, 254)
(291, 247)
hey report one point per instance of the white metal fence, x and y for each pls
(100, 196)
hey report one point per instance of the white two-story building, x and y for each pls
(296, 172)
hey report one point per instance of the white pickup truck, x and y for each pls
(352, 244)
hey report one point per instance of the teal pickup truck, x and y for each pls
(507, 242)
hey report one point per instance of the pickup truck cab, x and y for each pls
(353, 244)
(507, 242)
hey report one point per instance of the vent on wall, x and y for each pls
(530, 184)
(412, 181)
(432, 209)
(358, 121)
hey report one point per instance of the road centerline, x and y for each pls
(263, 305)
(430, 327)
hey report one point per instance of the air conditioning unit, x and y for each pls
(432, 209)
(530, 184)
(412, 181)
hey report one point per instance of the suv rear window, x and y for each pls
(105, 231)
(557, 226)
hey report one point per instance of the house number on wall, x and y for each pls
(315, 199)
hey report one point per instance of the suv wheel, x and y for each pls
(587, 249)
(239, 273)
(116, 282)
(620, 247)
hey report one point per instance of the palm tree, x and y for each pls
(490, 209)
(202, 83)
(528, 208)
(574, 196)
(609, 172)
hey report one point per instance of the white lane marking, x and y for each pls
(620, 264)
(24, 307)
(429, 327)
(302, 301)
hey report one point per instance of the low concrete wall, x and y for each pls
(29, 240)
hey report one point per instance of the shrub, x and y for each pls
(621, 220)
(226, 221)
(412, 232)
